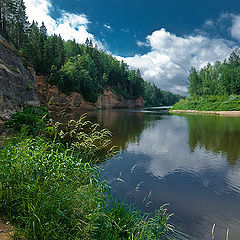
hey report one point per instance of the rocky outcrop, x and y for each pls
(16, 83)
(110, 100)
(19, 88)
(52, 97)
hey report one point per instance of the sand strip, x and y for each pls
(221, 113)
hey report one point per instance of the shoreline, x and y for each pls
(220, 113)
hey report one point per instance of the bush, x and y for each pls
(32, 119)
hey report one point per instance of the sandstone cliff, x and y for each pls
(110, 100)
(51, 97)
(55, 100)
(19, 88)
(16, 83)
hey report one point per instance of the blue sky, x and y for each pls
(163, 38)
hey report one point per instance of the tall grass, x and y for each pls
(47, 191)
(50, 188)
(50, 193)
(84, 136)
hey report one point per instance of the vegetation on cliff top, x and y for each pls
(72, 66)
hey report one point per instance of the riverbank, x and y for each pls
(220, 113)
(51, 187)
(220, 105)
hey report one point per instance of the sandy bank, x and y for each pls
(221, 113)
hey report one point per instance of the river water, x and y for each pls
(189, 161)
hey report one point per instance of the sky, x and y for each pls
(163, 38)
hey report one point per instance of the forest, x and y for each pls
(215, 87)
(221, 79)
(72, 66)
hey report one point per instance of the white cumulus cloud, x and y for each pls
(68, 25)
(168, 62)
(235, 30)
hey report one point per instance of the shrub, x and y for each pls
(32, 119)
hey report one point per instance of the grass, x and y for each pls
(209, 103)
(49, 193)
(33, 119)
(51, 188)
(41, 187)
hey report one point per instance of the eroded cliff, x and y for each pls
(16, 83)
(20, 88)
(55, 100)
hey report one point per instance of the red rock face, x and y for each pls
(110, 100)
(52, 97)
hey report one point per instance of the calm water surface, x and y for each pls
(189, 161)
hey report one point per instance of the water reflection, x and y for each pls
(216, 134)
(189, 161)
(126, 126)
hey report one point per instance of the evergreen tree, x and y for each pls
(73, 66)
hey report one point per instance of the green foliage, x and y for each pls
(47, 191)
(123, 222)
(216, 87)
(154, 96)
(72, 66)
(51, 192)
(79, 74)
(91, 71)
(209, 103)
(31, 119)
(217, 79)
(13, 21)
(85, 137)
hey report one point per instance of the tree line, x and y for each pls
(72, 66)
(220, 78)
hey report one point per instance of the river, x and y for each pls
(189, 161)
